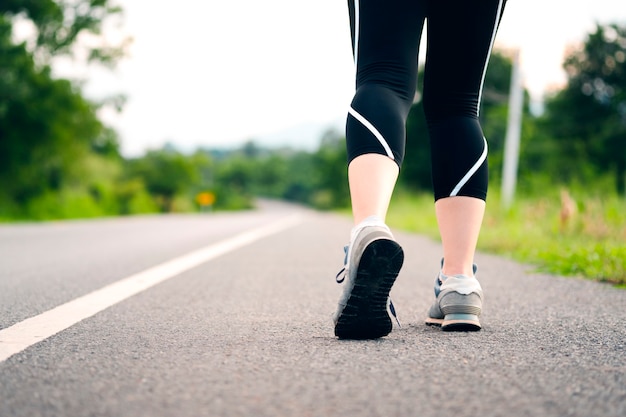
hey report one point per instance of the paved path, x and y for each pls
(249, 332)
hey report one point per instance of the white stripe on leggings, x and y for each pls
(373, 130)
(471, 172)
(356, 33)
(493, 38)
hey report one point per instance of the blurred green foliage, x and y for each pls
(582, 135)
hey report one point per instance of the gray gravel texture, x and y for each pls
(250, 334)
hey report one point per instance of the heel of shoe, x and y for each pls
(365, 314)
(461, 322)
(461, 312)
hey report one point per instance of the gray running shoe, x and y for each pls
(458, 303)
(373, 261)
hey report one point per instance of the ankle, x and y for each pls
(458, 269)
(373, 220)
(368, 222)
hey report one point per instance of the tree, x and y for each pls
(416, 168)
(587, 119)
(45, 124)
(166, 174)
(60, 24)
(47, 128)
(329, 185)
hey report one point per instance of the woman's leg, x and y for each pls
(460, 39)
(386, 36)
(372, 178)
(459, 220)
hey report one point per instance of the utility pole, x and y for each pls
(513, 133)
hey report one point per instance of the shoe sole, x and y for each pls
(456, 323)
(365, 315)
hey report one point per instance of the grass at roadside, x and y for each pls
(582, 236)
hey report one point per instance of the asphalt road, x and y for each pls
(249, 331)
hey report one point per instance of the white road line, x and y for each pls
(24, 334)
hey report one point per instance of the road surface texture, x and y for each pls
(249, 332)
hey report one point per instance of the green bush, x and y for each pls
(67, 204)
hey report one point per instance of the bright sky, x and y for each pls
(217, 73)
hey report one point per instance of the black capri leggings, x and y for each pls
(386, 36)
